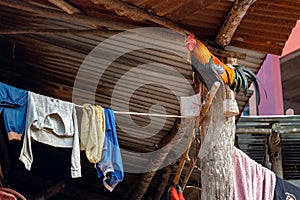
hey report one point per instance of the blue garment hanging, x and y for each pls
(285, 190)
(110, 166)
(13, 105)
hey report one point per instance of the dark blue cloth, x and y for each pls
(110, 166)
(13, 105)
(285, 190)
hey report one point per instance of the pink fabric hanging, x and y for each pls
(252, 181)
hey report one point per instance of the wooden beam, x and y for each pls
(91, 21)
(57, 31)
(232, 21)
(65, 6)
(138, 14)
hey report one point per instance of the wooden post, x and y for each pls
(218, 130)
(275, 150)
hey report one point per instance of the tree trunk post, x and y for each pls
(218, 131)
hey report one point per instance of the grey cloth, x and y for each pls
(52, 122)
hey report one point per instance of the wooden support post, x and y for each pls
(233, 20)
(216, 158)
(275, 150)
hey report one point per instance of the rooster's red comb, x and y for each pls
(190, 37)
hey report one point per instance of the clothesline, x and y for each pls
(145, 114)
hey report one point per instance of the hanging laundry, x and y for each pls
(92, 132)
(110, 167)
(52, 122)
(176, 193)
(285, 190)
(13, 105)
(250, 179)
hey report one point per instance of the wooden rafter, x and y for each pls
(91, 21)
(96, 22)
(233, 20)
(138, 14)
(65, 6)
(57, 31)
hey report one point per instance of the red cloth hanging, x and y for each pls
(176, 193)
(173, 194)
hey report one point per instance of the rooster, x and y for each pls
(209, 69)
